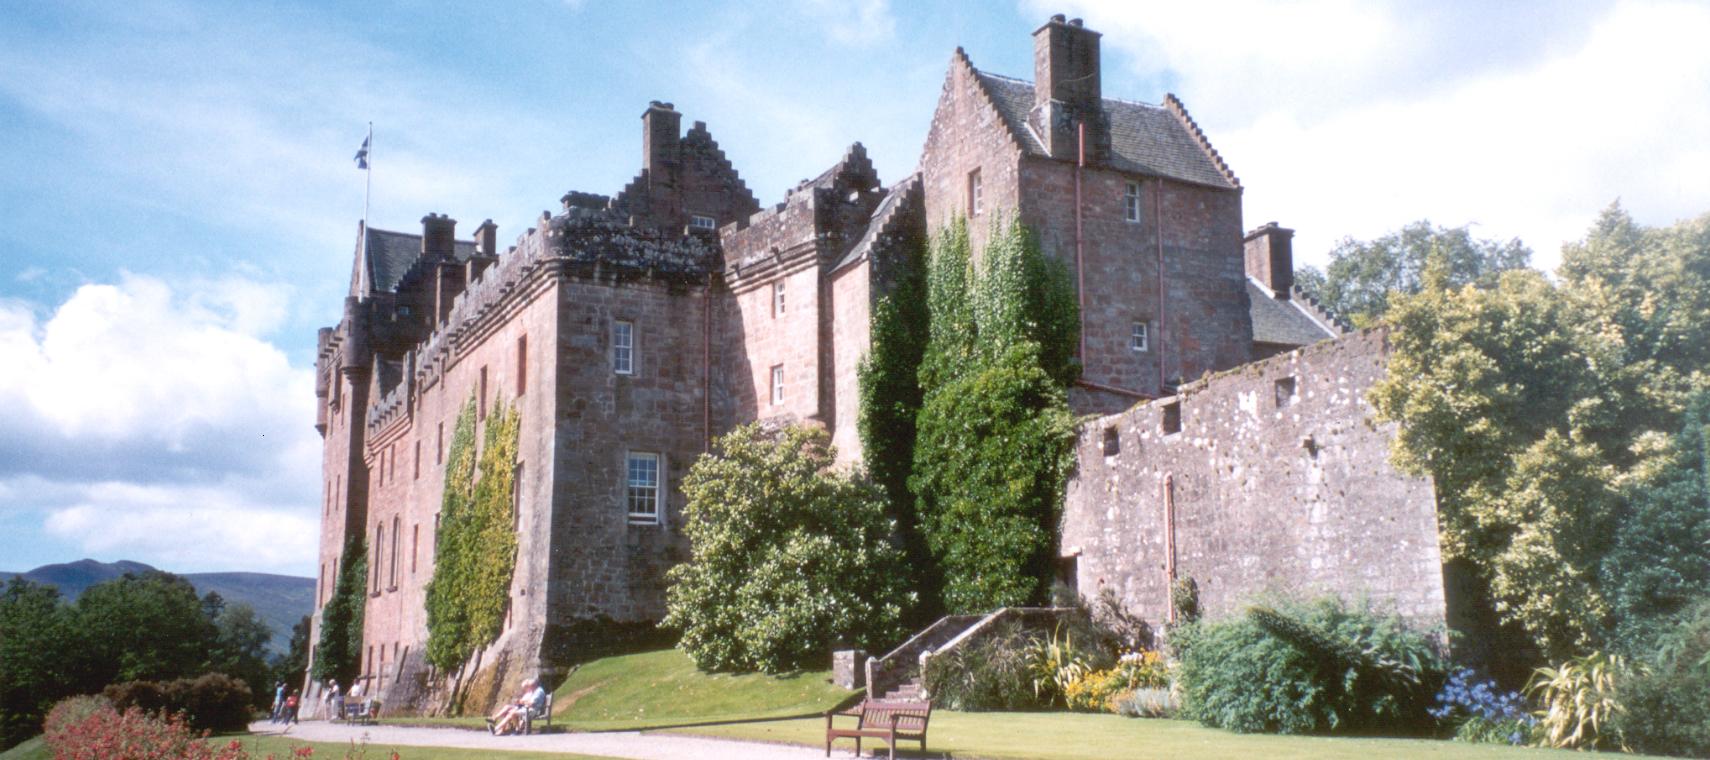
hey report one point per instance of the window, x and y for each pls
(439, 444)
(976, 203)
(1285, 392)
(1173, 417)
(623, 348)
(522, 364)
(1137, 339)
(392, 576)
(392, 462)
(481, 398)
(641, 493)
(415, 546)
(700, 222)
(375, 553)
(418, 466)
(1131, 202)
(1112, 442)
(778, 384)
(778, 298)
(516, 496)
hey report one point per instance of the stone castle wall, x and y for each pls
(1279, 481)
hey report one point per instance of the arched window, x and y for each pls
(393, 578)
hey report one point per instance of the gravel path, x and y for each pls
(627, 744)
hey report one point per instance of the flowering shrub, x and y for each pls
(1481, 713)
(88, 728)
(1146, 703)
(1102, 690)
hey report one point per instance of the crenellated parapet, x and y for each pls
(824, 216)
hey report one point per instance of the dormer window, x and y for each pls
(700, 222)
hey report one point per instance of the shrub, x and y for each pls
(994, 673)
(1665, 702)
(88, 728)
(789, 557)
(1147, 703)
(1578, 698)
(1481, 713)
(210, 702)
(1312, 668)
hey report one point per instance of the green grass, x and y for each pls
(282, 746)
(1071, 736)
(663, 688)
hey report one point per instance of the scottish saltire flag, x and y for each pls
(362, 154)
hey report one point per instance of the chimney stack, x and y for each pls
(439, 236)
(1066, 90)
(487, 239)
(661, 127)
(1270, 258)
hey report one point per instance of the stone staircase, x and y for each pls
(899, 673)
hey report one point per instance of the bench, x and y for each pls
(891, 720)
(545, 713)
(361, 710)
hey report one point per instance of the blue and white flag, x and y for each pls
(362, 154)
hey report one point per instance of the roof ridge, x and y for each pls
(1175, 106)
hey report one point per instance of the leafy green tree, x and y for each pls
(1363, 275)
(35, 638)
(148, 627)
(789, 557)
(291, 666)
(338, 654)
(470, 591)
(240, 649)
(994, 432)
(1535, 408)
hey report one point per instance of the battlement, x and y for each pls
(836, 208)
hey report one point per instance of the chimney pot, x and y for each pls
(1057, 17)
(1075, 22)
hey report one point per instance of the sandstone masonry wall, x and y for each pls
(1280, 481)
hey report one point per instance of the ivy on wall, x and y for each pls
(338, 654)
(477, 544)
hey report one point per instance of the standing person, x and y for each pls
(289, 711)
(278, 701)
(337, 701)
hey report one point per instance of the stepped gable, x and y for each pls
(827, 214)
(682, 176)
(1282, 321)
(896, 220)
(1144, 139)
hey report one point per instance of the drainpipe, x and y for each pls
(1170, 543)
(1158, 235)
(1080, 264)
(706, 365)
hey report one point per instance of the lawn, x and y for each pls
(1072, 736)
(281, 746)
(663, 688)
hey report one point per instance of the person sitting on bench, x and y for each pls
(510, 718)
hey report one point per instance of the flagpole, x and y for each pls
(367, 193)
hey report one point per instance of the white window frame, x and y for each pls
(778, 298)
(777, 384)
(976, 194)
(702, 222)
(1131, 202)
(1140, 338)
(635, 492)
(623, 347)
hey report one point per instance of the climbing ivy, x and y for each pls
(338, 654)
(477, 544)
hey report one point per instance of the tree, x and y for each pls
(291, 666)
(470, 591)
(994, 433)
(148, 627)
(1363, 275)
(240, 649)
(1536, 409)
(35, 634)
(789, 557)
(338, 654)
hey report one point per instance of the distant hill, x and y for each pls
(279, 600)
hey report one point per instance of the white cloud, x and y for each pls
(856, 23)
(151, 421)
(1356, 118)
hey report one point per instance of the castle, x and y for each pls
(631, 330)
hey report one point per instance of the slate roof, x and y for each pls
(1144, 139)
(391, 254)
(1282, 322)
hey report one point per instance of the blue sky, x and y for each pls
(180, 204)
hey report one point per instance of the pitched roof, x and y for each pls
(1144, 139)
(391, 254)
(1281, 321)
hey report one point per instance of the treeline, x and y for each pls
(148, 627)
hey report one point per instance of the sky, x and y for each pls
(179, 202)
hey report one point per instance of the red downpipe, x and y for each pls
(1170, 541)
(706, 366)
(1158, 235)
(1080, 264)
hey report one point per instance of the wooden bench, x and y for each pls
(361, 710)
(891, 720)
(531, 716)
